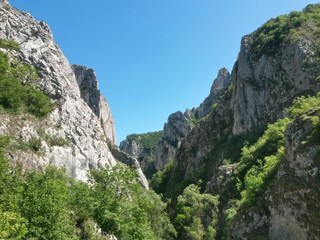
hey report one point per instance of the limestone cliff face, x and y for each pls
(263, 87)
(219, 86)
(259, 91)
(289, 208)
(73, 121)
(180, 124)
(177, 128)
(88, 84)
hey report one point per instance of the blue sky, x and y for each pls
(153, 57)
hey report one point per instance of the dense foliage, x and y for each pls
(197, 214)
(16, 89)
(269, 37)
(49, 205)
(260, 161)
(147, 141)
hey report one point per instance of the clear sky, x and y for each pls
(153, 57)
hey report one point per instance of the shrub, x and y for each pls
(283, 29)
(197, 214)
(147, 140)
(14, 90)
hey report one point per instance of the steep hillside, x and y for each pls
(74, 135)
(276, 64)
(55, 129)
(156, 150)
(143, 147)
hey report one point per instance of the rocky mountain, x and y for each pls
(177, 128)
(88, 85)
(264, 174)
(143, 148)
(81, 120)
(242, 165)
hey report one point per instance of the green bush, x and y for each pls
(125, 209)
(283, 29)
(197, 214)
(15, 92)
(147, 140)
(259, 176)
(37, 103)
(45, 204)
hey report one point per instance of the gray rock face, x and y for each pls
(88, 84)
(132, 148)
(264, 87)
(132, 162)
(260, 90)
(177, 128)
(290, 206)
(72, 120)
(219, 86)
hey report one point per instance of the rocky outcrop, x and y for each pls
(264, 87)
(142, 147)
(88, 84)
(219, 86)
(177, 128)
(128, 160)
(259, 92)
(289, 208)
(73, 121)
(133, 149)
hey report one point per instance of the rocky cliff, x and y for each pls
(179, 124)
(276, 64)
(75, 133)
(289, 207)
(260, 90)
(176, 129)
(88, 84)
(143, 148)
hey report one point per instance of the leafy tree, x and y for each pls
(127, 210)
(197, 214)
(12, 224)
(45, 205)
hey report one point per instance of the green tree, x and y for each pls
(12, 224)
(197, 214)
(127, 210)
(45, 205)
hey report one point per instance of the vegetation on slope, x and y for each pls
(49, 205)
(259, 162)
(147, 141)
(283, 29)
(17, 93)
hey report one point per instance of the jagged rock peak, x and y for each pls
(219, 86)
(221, 82)
(88, 85)
(176, 129)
